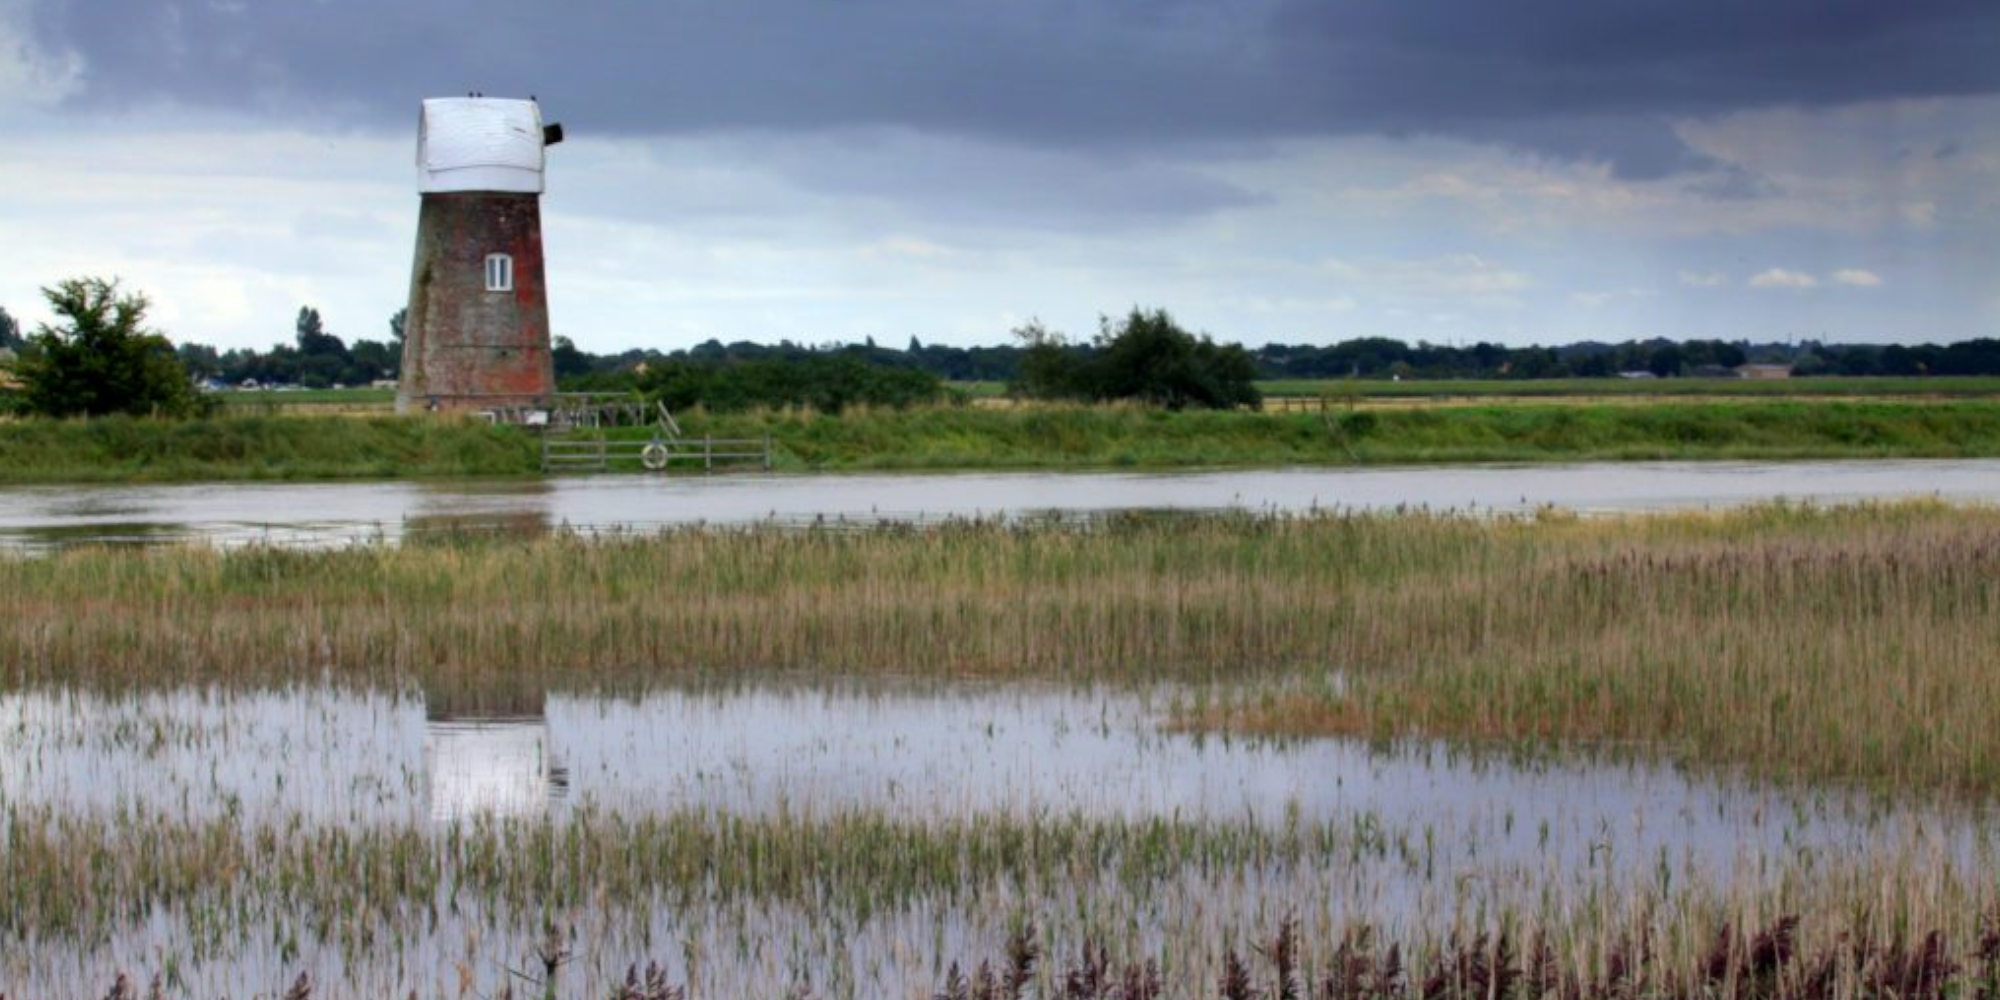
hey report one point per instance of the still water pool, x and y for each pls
(1396, 832)
(339, 513)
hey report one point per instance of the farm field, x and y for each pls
(1813, 386)
(1693, 753)
(367, 400)
(258, 400)
(1442, 389)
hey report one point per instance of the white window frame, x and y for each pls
(499, 272)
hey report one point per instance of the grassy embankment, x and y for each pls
(1133, 437)
(229, 447)
(239, 447)
(1851, 644)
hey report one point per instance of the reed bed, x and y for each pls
(1766, 965)
(1850, 643)
(853, 905)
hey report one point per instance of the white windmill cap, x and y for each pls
(480, 144)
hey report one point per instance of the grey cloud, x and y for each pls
(1732, 184)
(987, 184)
(1594, 80)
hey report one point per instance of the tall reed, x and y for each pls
(860, 905)
(1851, 643)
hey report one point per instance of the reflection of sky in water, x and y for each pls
(335, 513)
(1448, 828)
(914, 751)
(495, 766)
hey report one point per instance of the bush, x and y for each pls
(825, 384)
(1147, 358)
(100, 359)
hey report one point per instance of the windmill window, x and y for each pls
(499, 272)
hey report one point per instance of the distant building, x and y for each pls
(1637, 374)
(1763, 371)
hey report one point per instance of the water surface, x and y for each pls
(336, 513)
(1410, 830)
(911, 750)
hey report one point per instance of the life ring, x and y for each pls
(654, 456)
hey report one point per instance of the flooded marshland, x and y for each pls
(774, 759)
(758, 834)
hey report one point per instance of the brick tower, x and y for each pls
(477, 335)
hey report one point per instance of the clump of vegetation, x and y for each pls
(1146, 357)
(100, 358)
(1854, 644)
(823, 384)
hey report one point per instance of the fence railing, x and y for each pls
(661, 454)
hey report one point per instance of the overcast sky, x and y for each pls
(1267, 170)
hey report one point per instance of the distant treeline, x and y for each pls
(318, 358)
(1372, 357)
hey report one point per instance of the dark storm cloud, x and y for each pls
(1593, 79)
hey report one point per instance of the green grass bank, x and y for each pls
(234, 447)
(303, 447)
(961, 437)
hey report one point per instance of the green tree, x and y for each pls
(826, 384)
(1149, 357)
(568, 360)
(99, 358)
(1050, 367)
(323, 357)
(10, 332)
(1145, 357)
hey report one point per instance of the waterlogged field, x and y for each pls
(753, 836)
(1743, 754)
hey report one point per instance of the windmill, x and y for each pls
(477, 337)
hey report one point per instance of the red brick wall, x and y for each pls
(465, 348)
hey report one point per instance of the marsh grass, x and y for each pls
(1853, 643)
